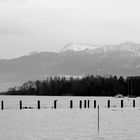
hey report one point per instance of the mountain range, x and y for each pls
(74, 59)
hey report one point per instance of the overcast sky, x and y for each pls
(48, 25)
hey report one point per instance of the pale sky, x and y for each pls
(48, 25)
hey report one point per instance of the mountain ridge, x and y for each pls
(120, 60)
(126, 46)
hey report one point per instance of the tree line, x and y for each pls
(85, 86)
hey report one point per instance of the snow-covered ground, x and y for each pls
(68, 124)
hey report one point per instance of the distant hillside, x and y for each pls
(75, 59)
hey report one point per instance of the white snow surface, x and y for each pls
(64, 123)
(79, 47)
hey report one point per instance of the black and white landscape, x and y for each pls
(69, 70)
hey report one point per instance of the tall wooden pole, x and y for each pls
(71, 104)
(134, 103)
(20, 104)
(2, 105)
(55, 104)
(108, 105)
(38, 104)
(98, 119)
(88, 103)
(94, 103)
(80, 104)
(122, 104)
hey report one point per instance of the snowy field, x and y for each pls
(68, 124)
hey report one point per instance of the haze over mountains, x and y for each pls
(73, 60)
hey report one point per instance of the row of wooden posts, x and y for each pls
(86, 104)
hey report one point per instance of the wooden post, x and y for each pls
(94, 103)
(121, 103)
(88, 103)
(20, 105)
(108, 104)
(98, 119)
(55, 105)
(2, 105)
(38, 104)
(80, 104)
(85, 103)
(71, 104)
(134, 103)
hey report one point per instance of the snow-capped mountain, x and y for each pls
(75, 59)
(78, 47)
(124, 47)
